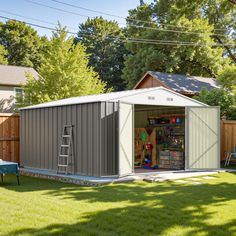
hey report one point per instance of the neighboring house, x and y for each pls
(183, 84)
(11, 80)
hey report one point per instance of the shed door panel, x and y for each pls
(125, 139)
(203, 138)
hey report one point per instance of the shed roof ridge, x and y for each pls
(112, 97)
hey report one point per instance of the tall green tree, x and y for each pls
(220, 14)
(22, 42)
(222, 98)
(106, 53)
(158, 20)
(3, 55)
(227, 78)
(64, 73)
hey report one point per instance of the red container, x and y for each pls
(149, 146)
(173, 120)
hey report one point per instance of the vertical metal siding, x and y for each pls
(126, 133)
(203, 138)
(73, 121)
(41, 131)
(109, 138)
(84, 140)
(78, 129)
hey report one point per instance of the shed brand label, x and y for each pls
(169, 99)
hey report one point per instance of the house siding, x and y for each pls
(7, 101)
(150, 82)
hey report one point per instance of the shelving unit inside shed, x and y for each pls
(159, 138)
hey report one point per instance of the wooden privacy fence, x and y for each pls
(228, 137)
(9, 137)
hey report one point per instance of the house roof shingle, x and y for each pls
(184, 83)
(15, 75)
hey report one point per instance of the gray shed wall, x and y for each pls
(109, 138)
(94, 137)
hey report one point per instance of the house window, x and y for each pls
(18, 95)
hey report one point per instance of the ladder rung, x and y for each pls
(66, 143)
(60, 165)
(61, 155)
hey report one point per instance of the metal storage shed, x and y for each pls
(104, 131)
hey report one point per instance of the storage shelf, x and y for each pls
(175, 149)
(169, 124)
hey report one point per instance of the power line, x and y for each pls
(55, 8)
(133, 25)
(34, 19)
(35, 25)
(117, 16)
(87, 9)
(131, 40)
(177, 43)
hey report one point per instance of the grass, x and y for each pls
(48, 208)
(231, 166)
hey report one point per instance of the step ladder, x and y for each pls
(66, 156)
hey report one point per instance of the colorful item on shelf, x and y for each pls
(178, 120)
(149, 146)
(143, 136)
(173, 120)
(147, 166)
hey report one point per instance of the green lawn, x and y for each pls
(231, 166)
(42, 208)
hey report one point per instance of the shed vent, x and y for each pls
(170, 99)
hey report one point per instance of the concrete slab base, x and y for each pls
(99, 181)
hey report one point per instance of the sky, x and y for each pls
(27, 9)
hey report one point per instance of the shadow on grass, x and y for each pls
(129, 221)
(148, 209)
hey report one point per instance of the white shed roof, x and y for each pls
(149, 96)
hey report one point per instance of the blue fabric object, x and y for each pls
(9, 167)
(235, 152)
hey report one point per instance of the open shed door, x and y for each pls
(126, 132)
(203, 138)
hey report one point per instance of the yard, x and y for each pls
(42, 207)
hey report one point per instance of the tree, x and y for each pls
(106, 53)
(166, 16)
(64, 73)
(23, 44)
(3, 55)
(219, 97)
(227, 78)
(219, 13)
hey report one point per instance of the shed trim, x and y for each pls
(114, 96)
